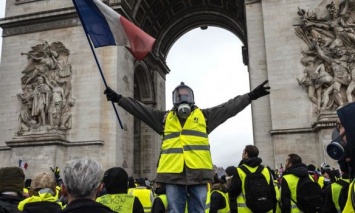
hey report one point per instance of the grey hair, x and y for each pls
(82, 177)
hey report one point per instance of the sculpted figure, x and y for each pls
(26, 121)
(351, 86)
(308, 75)
(57, 103)
(340, 69)
(41, 100)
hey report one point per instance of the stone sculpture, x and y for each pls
(46, 101)
(329, 60)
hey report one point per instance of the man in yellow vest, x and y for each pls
(250, 163)
(117, 199)
(219, 198)
(335, 194)
(144, 194)
(295, 170)
(160, 203)
(185, 163)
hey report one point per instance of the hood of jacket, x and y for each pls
(252, 162)
(298, 169)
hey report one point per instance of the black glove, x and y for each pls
(112, 95)
(259, 91)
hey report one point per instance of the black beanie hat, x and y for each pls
(116, 180)
(12, 179)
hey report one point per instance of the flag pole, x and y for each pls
(103, 77)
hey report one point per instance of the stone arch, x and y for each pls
(144, 92)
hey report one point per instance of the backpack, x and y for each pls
(343, 196)
(309, 195)
(258, 194)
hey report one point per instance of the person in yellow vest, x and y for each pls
(325, 179)
(237, 192)
(116, 197)
(335, 196)
(185, 163)
(219, 197)
(160, 203)
(144, 194)
(294, 170)
(42, 195)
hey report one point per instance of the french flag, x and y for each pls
(106, 27)
(22, 164)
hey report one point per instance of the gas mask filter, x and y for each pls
(337, 148)
(184, 110)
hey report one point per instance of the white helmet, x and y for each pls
(325, 166)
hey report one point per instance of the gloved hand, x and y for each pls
(112, 95)
(259, 91)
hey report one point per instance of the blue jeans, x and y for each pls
(194, 196)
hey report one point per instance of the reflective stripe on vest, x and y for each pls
(188, 145)
(117, 202)
(242, 206)
(225, 196)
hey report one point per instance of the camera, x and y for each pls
(337, 149)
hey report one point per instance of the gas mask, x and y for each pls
(183, 100)
(337, 148)
(184, 110)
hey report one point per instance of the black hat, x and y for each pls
(12, 179)
(116, 180)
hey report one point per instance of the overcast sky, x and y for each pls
(210, 62)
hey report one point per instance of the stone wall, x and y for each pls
(284, 122)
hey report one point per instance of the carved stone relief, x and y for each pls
(329, 60)
(46, 101)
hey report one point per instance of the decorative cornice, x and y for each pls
(12, 144)
(325, 120)
(35, 22)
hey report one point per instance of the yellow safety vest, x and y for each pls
(225, 196)
(242, 206)
(292, 181)
(144, 196)
(117, 202)
(321, 181)
(208, 198)
(278, 197)
(42, 197)
(349, 208)
(336, 189)
(164, 200)
(188, 144)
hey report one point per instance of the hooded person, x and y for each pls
(345, 127)
(11, 187)
(116, 197)
(42, 196)
(185, 163)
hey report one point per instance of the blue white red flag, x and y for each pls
(22, 164)
(106, 27)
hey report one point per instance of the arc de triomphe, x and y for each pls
(46, 37)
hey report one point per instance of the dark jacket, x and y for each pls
(158, 205)
(299, 170)
(217, 200)
(235, 187)
(86, 206)
(42, 207)
(214, 117)
(9, 203)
